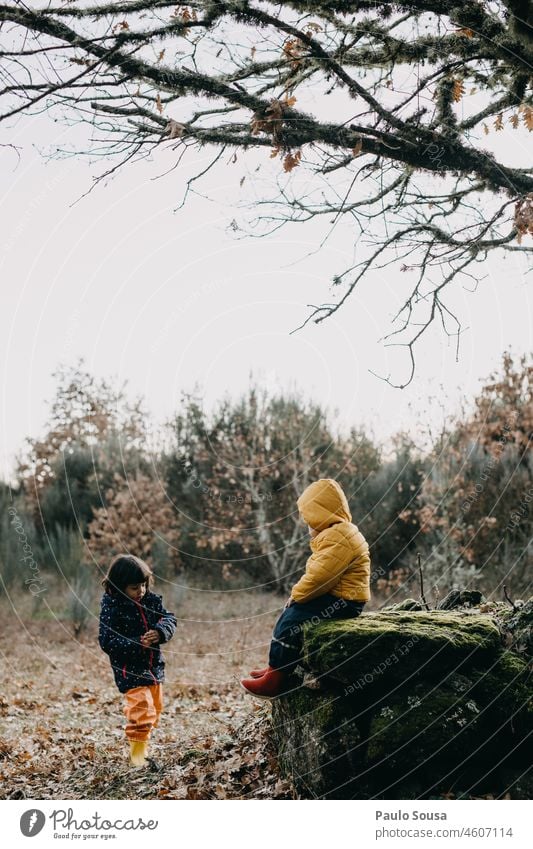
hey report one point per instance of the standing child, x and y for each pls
(336, 583)
(133, 624)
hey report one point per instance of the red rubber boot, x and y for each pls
(258, 673)
(268, 686)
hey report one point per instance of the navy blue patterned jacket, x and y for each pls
(122, 624)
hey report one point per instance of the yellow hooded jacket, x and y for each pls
(340, 562)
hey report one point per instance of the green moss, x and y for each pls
(302, 705)
(427, 728)
(504, 691)
(510, 666)
(318, 742)
(389, 647)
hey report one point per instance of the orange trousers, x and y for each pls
(142, 706)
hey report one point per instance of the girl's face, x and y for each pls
(135, 591)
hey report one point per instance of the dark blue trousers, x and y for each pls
(286, 645)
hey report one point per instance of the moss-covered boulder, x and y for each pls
(410, 704)
(395, 645)
(317, 743)
(520, 628)
(458, 598)
(407, 604)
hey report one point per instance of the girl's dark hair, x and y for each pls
(126, 569)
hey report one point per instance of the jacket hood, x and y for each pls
(323, 503)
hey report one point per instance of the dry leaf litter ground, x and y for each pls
(61, 721)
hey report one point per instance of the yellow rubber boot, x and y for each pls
(138, 751)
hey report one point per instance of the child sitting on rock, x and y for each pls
(336, 583)
(133, 624)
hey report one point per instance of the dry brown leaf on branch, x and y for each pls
(189, 15)
(159, 105)
(174, 130)
(358, 148)
(122, 25)
(523, 217)
(275, 110)
(256, 124)
(292, 160)
(498, 123)
(292, 51)
(527, 117)
(466, 31)
(458, 90)
(161, 55)
(270, 122)
(515, 121)
(185, 15)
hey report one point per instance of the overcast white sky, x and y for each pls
(169, 299)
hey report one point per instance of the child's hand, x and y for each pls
(150, 638)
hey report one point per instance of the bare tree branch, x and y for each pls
(414, 88)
